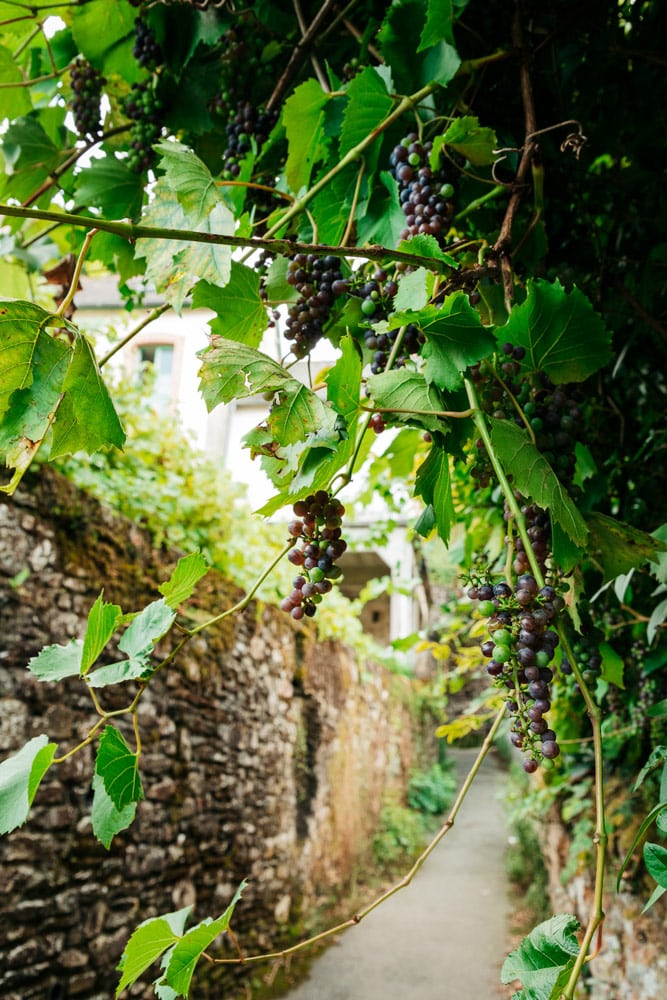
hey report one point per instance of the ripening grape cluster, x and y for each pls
(425, 194)
(318, 280)
(86, 85)
(246, 123)
(146, 49)
(519, 650)
(317, 528)
(382, 343)
(144, 109)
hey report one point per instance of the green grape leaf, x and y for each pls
(382, 220)
(174, 266)
(455, 338)
(104, 40)
(119, 769)
(560, 331)
(147, 943)
(619, 547)
(189, 178)
(241, 314)
(331, 207)
(147, 628)
(368, 104)
(14, 101)
(428, 246)
(86, 419)
(344, 380)
(53, 663)
(401, 36)
(110, 185)
(106, 819)
(613, 665)
(659, 564)
(103, 620)
(30, 156)
(468, 138)
(433, 485)
(188, 950)
(410, 396)
(533, 476)
(303, 117)
(542, 957)
(298, 412)
(234, 371)
(655, 859)
(181, 584)
(657, 758)
(566, 554)
(439, 24)
(20, 777)
(414, 290)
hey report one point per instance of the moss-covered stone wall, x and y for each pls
(266, 757)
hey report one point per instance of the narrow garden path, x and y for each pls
(445, 936)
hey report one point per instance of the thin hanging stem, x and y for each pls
(74, 284)
(157, 312)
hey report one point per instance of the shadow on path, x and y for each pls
(444, 937)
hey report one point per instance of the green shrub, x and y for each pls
(400, 836)
(432, 791)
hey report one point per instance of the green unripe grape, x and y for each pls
(547, 764)
(542, 659)
(501, 654)
(367, 307)
(447, 190)
(502, 637)
(316, 575)
(486, 608)
(414, 159)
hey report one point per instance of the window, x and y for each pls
(161, 359)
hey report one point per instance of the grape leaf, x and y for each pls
(241, 314)
(174, 266)
(106, 819)
(455, 338)
(189, 178)
(368, 104)
(415, 290)
(147, 943)
(181, 584)
(231, 370)
(20, 777)
(433, 485)
(533, 476)
(439, 24)
(619, 547)
(14, 101)
(407, 392)
(331, 207)
(30, 156)
(382, 220)
(427, 246)
(303, 117)
(468, 138)
(298, 412)
(613, 665)
(655, 859)
(110, 185)
(103, 620)
(188, 950)
(53, 663)
(542, 956)
(86, 419)
(104, 40)
(344, 380)
(560, 331)
(119, 769)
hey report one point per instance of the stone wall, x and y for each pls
(265, 757)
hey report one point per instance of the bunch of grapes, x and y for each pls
(246, 123)
(520, 648)
(146, 49)
(317, 528)
(240, 60)
(86, 85)
(144, 109)
(318, 280)
(425, 194)
(382, 343)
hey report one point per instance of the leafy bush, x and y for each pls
(432, 791)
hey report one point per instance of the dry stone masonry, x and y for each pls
(265, 757)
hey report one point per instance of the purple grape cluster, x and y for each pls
(425, 194)
(318, 280)
(382, 343)
(86, 85)
(519, 650)
(246, 123)
(317, 528)
(146, 49)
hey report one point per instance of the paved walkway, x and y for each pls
(445, 936)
